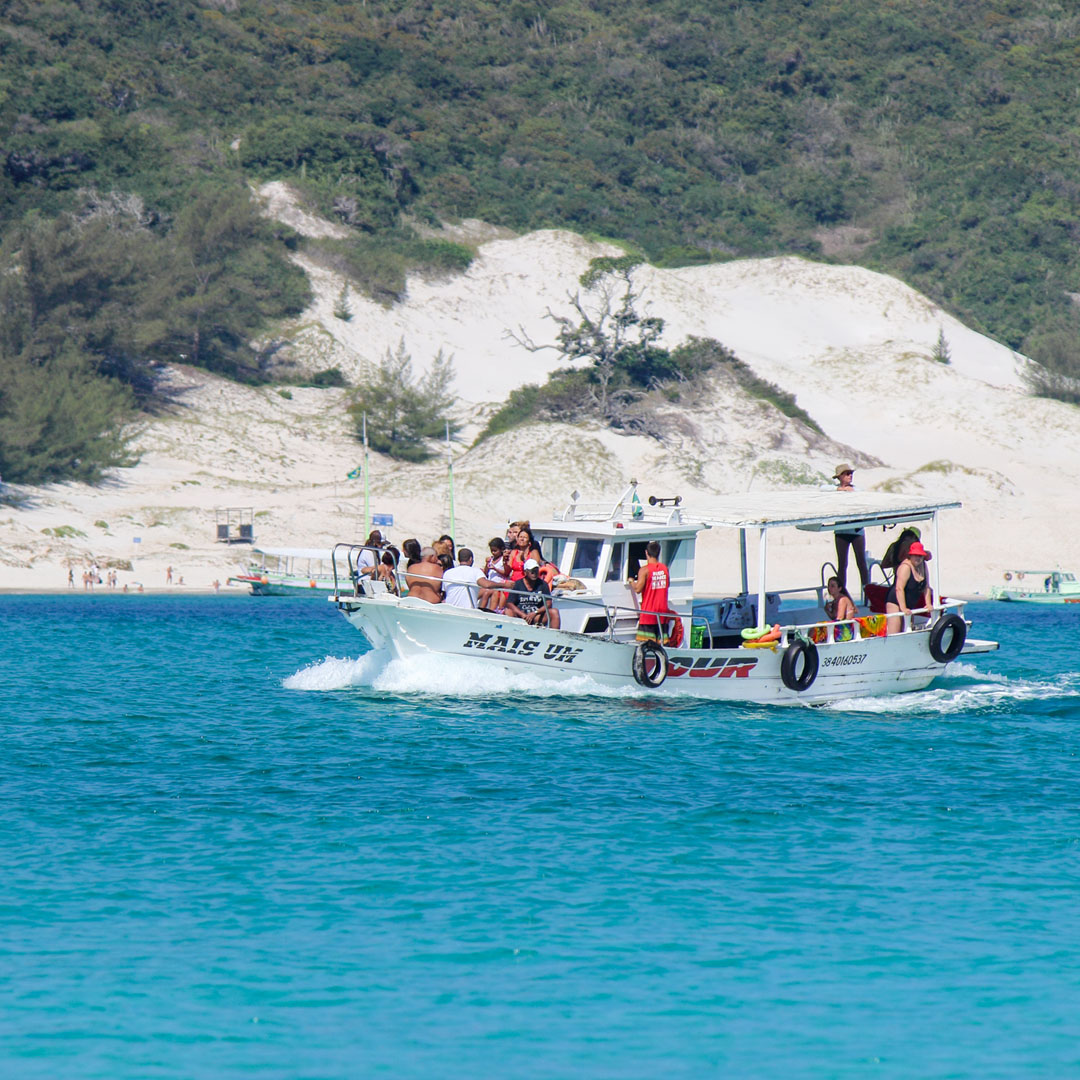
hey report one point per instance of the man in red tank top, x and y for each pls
(651, 584)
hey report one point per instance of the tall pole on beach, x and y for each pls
(367, 486)
(450, 473)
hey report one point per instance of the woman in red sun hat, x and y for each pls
(911, 589)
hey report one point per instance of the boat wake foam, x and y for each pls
(432, 675)
(964, 688)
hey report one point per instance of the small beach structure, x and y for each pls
(235, 525)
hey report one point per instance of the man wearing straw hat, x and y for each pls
(854, 540)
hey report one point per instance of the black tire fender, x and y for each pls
(650, 665)
(946, 624)
(789, 665)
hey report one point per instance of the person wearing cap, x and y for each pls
(530, 598)
(850, 540)
(911, 589)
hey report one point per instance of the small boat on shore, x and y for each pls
(707, 654)
(1038, 587)
(288, 572)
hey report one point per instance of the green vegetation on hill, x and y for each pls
(627, 377)
(932, 139)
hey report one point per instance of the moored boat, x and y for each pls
(288, 572)
(707, 652)
(1038, 587)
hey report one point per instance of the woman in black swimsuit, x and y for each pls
(911, 588)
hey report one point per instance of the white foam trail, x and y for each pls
(948, 700)
(335, 673)
(963, 669)
(436, 675)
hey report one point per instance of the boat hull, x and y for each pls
(860, 668)
(1016, 597)
(270, 586)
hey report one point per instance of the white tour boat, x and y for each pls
(288, 572)
(596, 548)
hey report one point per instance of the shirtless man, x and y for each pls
(424, 578)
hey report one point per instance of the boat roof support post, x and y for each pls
(763, 547)
(935, 563)
(742, 561)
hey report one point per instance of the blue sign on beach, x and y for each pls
(136, 539)
(382, 519)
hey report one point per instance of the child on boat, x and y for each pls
(496, 568)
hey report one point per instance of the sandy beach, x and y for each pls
(853, 346)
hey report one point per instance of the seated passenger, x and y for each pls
(839, 607)
(424, 578)
(387, 566)
(411, 550)
(897, 551)
(497, 569)
(368, 563)
(444, 546)
(525, 547)
(530, 598)
(464, 583)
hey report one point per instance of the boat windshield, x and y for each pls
(679, 557)
(586, 557)
(552, 548)
(618, 555)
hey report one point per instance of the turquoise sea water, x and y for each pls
(230, 848)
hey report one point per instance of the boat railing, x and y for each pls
(349, 553)
(835, 630)
(856, 625)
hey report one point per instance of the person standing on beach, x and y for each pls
(854, 540)
(71, 576)
(168, 575)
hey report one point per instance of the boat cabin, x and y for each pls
(599, 548)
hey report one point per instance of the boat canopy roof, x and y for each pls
(295, 553)
(816, 511)
(813, 511)
(1045, 573)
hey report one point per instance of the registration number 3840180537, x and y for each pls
(844, 661)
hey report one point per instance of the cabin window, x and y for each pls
(552, 548)
(618, 556)
(637, 558)
(586, 558)
(679, 556)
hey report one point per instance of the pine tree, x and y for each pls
(942, 353)
(403, 413)
(341, 308)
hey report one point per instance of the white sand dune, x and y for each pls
(853, 346)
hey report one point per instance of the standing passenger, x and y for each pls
(855, 539)
(652, 583)
(911, 588)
